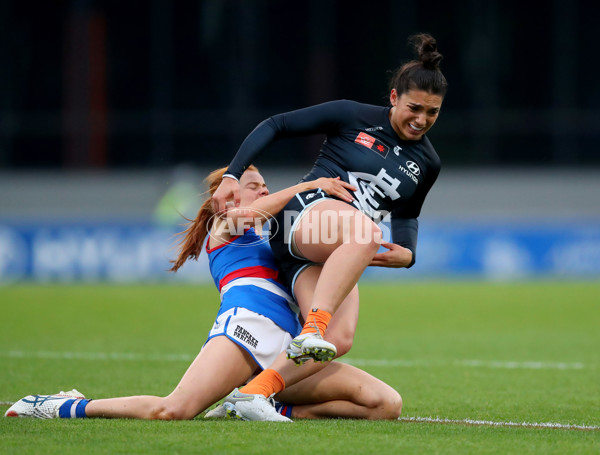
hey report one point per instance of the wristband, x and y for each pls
(231, 176)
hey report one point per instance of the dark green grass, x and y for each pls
(425, 336)
(331, 437)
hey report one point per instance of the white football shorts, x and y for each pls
(262, 338)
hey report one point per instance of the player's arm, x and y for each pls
(405, 225)
(400, 253)
(319, 119)
(265, 207)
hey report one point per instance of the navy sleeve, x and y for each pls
(320, 119)
(405, 226)
(404, 233)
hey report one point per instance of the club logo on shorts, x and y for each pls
(245, 336)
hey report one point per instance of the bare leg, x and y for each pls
(340, 332)
(342, 238)
(341, 390)
(320, 390)
(220, 366)
(342, 326)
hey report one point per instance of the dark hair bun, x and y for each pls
(425, 47)
(422, 73)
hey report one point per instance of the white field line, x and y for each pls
(488, 423)
(468, 363)
(130, 356)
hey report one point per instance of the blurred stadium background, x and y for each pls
(112, 113)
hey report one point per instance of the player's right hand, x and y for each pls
(228, 190)
(336, 187)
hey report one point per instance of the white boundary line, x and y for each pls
(468, 363)
(130, 356)
(551, 425)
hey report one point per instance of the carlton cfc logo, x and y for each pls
(413, 167)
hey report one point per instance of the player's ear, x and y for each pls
(393, 97)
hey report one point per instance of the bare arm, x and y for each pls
(268, 206)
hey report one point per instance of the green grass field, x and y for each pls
(498, 352)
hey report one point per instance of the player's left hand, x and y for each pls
(396, 257)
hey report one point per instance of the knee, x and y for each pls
(344, 346)
(385, 406)
(169, 411)
(367, 243)
(393, 407)
(365, 236)
(342, 341)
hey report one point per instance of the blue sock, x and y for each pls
(74, 408)
(284, 409)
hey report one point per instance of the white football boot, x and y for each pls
(310, 346)
(224, 411)
(217, 413)
(253, 407)
(42, 406)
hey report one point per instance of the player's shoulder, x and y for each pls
(351, 112)
(430, 154)
(352, 106)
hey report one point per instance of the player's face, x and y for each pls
(252, 187)
(413, 113)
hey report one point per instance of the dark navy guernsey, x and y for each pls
(392, 175)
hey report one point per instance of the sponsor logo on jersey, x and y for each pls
(397, 150)
(372, 143)
(245, 336)
(365, 139)
(412, 171)
(375, 128)
(413, 167)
